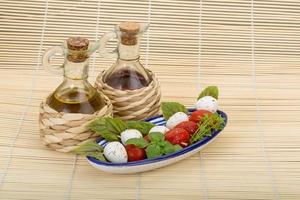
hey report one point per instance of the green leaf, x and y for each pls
(90, 146)
(153, 151)
(115, 125)
(109, 136)
(156, 136)
(210, 91)
(139, 142)
(91, 149)
(197, 137)
(97, 155)
(143, 127)
(108, 128)
(170, 108)
(177, 147)
(170, 148)
(208, 124)
(97, 125)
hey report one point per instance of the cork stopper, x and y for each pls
(77, 49)
(129, 27)
(77, 43)
(129, 32)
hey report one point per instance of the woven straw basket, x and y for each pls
(65, 131)
(132, 104)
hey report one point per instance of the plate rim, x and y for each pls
(164, 157)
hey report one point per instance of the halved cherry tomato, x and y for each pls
(190, 126)
(197, 115)
(178, 136)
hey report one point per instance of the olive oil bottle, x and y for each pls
(75, 94)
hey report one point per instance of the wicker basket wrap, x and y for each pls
(65, 131)
(132, 104)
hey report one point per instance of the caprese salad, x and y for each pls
(138, 140)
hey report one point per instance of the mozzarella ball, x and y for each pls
(207, 103)
(161, 129)
(176, 119)
(130, 133)
(115, 152)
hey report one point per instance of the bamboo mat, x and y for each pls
(250, 49)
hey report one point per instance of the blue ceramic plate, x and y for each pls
(150, 164)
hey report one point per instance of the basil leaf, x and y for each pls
(143, 127)
(170, 148)
(97, 155)
(109, 136)
(177, 147)
(210, 91)
(153, 151)
(97, 125)
(90, 146)
(91, 149)
(170, 108)
(115, 125)
(108, 128)
(139, 142)
(156, 136)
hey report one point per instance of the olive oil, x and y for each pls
(76, 101)
(75, 94)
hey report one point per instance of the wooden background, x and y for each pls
(249, 48)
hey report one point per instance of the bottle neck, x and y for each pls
(128, 52)
(76, 70)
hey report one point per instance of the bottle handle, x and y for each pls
(49, 53)
(103, 42)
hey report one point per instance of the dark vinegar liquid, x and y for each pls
(127, 80)
(75, 101)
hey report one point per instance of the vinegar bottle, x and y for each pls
(127, 73)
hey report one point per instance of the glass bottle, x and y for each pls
(75, 94)
(127, 73)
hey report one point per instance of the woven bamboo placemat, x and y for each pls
(250, 49)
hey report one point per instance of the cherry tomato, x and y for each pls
(190, 126)
(134, 153)
(197, 115)
(178, 136)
